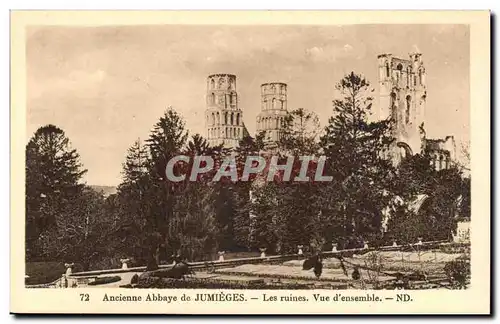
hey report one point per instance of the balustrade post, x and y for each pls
(69, 268)
(124, 263)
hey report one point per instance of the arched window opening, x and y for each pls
(212, 84)
(225, 118)
(393, 106)
(212, 97)
(238, 119)
(232, 119)
(408, 109)
(387, 70)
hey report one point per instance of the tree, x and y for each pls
(53, 174)
(299, 132)
(132, 205)
(354, 147)
(242, 222)
(285, 212)
(82, 234)
(167, 139)
(192, 231)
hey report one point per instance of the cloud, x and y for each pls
(329, 53)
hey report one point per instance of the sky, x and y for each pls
(105, 87)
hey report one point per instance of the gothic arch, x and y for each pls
(417, 204)
(406, 147)
(218, 118)
(441, 161)
(238, 119)
(212, 84)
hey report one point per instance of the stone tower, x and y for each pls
(403, 94)
(223, 118)
(273, 111)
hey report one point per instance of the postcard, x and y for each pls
(250, 162)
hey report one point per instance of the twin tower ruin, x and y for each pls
(224, 119)
(402, 96)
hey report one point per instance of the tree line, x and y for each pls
(150, 219)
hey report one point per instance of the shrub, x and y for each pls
(134, 280)
(43, 272)
(105, 280)
(155, 282)
(458, 272)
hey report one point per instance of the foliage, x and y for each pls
(53, 172)
(150, 218)
(353, 201)
(458, 273)
(43, 272)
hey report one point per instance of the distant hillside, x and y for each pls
(105, 190)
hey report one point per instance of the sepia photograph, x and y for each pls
(248, 157)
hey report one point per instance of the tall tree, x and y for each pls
(132, 204)
(288, 213)
(354, 147)
(53, 174)
(167, 139)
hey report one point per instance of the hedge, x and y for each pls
(105, 280)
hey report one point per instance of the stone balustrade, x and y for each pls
(75, 278)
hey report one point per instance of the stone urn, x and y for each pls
(124, 263)
(263, 252)
(334, 247)
(365, 246)
(300, 247)
(419, 241)
(69, 268)
(221, 255)
(394, 244)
